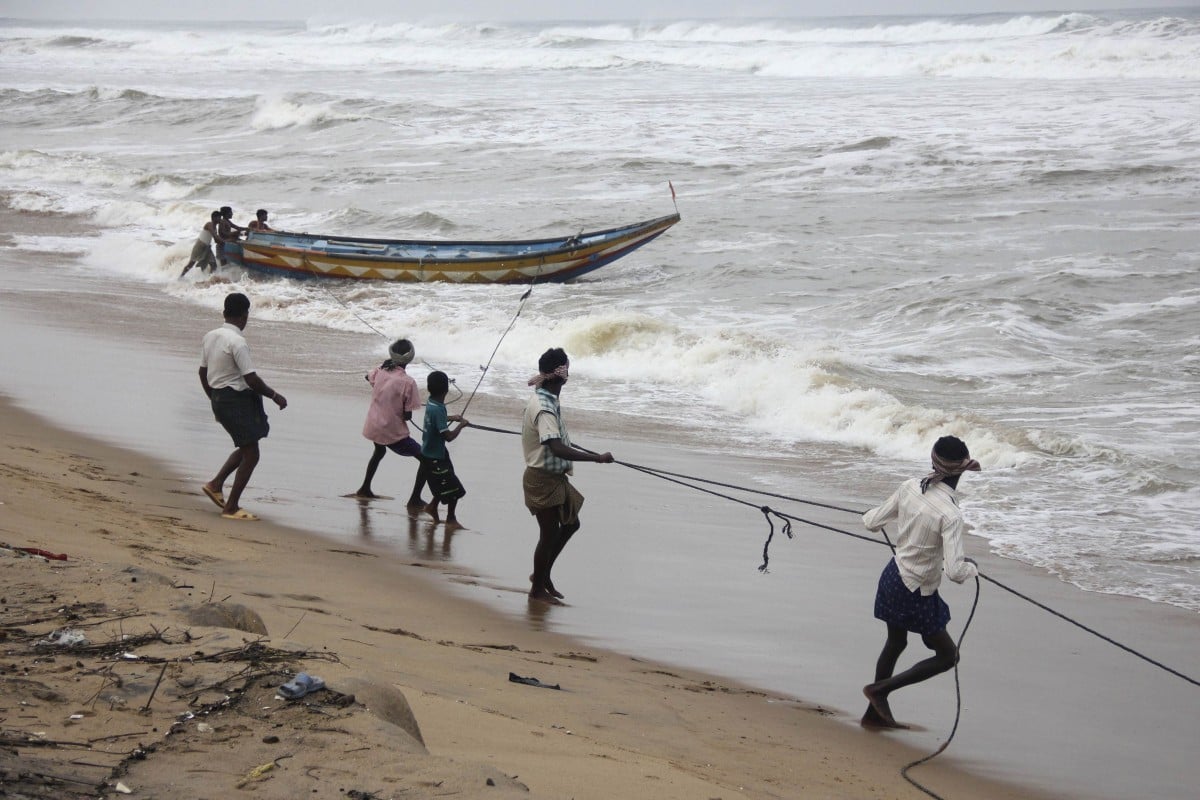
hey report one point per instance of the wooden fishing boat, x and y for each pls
(307, 255)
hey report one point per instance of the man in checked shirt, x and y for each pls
(549, 459)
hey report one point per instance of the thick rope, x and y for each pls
(787, 528)
(356, 315)
(749, 490)
(767, 511)
(484, 369)
(957, 693)
(1092, 631)
(957, 711)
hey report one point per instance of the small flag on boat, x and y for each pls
(672, 191)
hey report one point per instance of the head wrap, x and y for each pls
(542, 377)
(401, 357)
(947, 468)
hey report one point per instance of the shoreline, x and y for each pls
(614, 729)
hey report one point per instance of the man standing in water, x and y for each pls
(930, 528)
(549, 496)
(202, 247)
(259, 223)
(236, 393)
(227, 232)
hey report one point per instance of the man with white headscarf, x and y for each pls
(928, 542)
(394, 398)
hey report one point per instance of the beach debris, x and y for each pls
(122, 788)
(64, 637)
(301, 685)
(259, 773)
(35, 551)
(515, 678)
(154, 691)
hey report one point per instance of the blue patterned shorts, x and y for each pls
(896, 605)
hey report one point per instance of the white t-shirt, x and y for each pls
(226, 356)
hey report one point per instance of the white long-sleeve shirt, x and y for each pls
(929, 537)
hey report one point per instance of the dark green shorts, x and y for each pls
(241, 414)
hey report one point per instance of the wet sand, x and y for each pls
(658, 572)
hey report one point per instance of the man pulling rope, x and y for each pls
(929, 540)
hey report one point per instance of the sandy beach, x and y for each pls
(169, 706)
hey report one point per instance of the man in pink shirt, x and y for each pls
(394, 398)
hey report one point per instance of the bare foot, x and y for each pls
(416, 503)
(431, 510)
(879, 713)
(550, 590)
(872, 721)
(543, 596)
(365, 493)
(452, 524)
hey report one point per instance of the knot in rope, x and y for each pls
(767, 511)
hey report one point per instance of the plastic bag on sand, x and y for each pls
(65, 637)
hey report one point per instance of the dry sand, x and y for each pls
(174, 692)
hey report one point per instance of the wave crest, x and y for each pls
(274, 113)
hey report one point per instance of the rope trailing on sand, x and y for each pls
(957, 694)
(957, 712)
(767, 511)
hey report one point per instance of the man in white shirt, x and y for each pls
(928, 541)
(236, 393)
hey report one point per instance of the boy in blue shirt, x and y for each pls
(442, 481)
